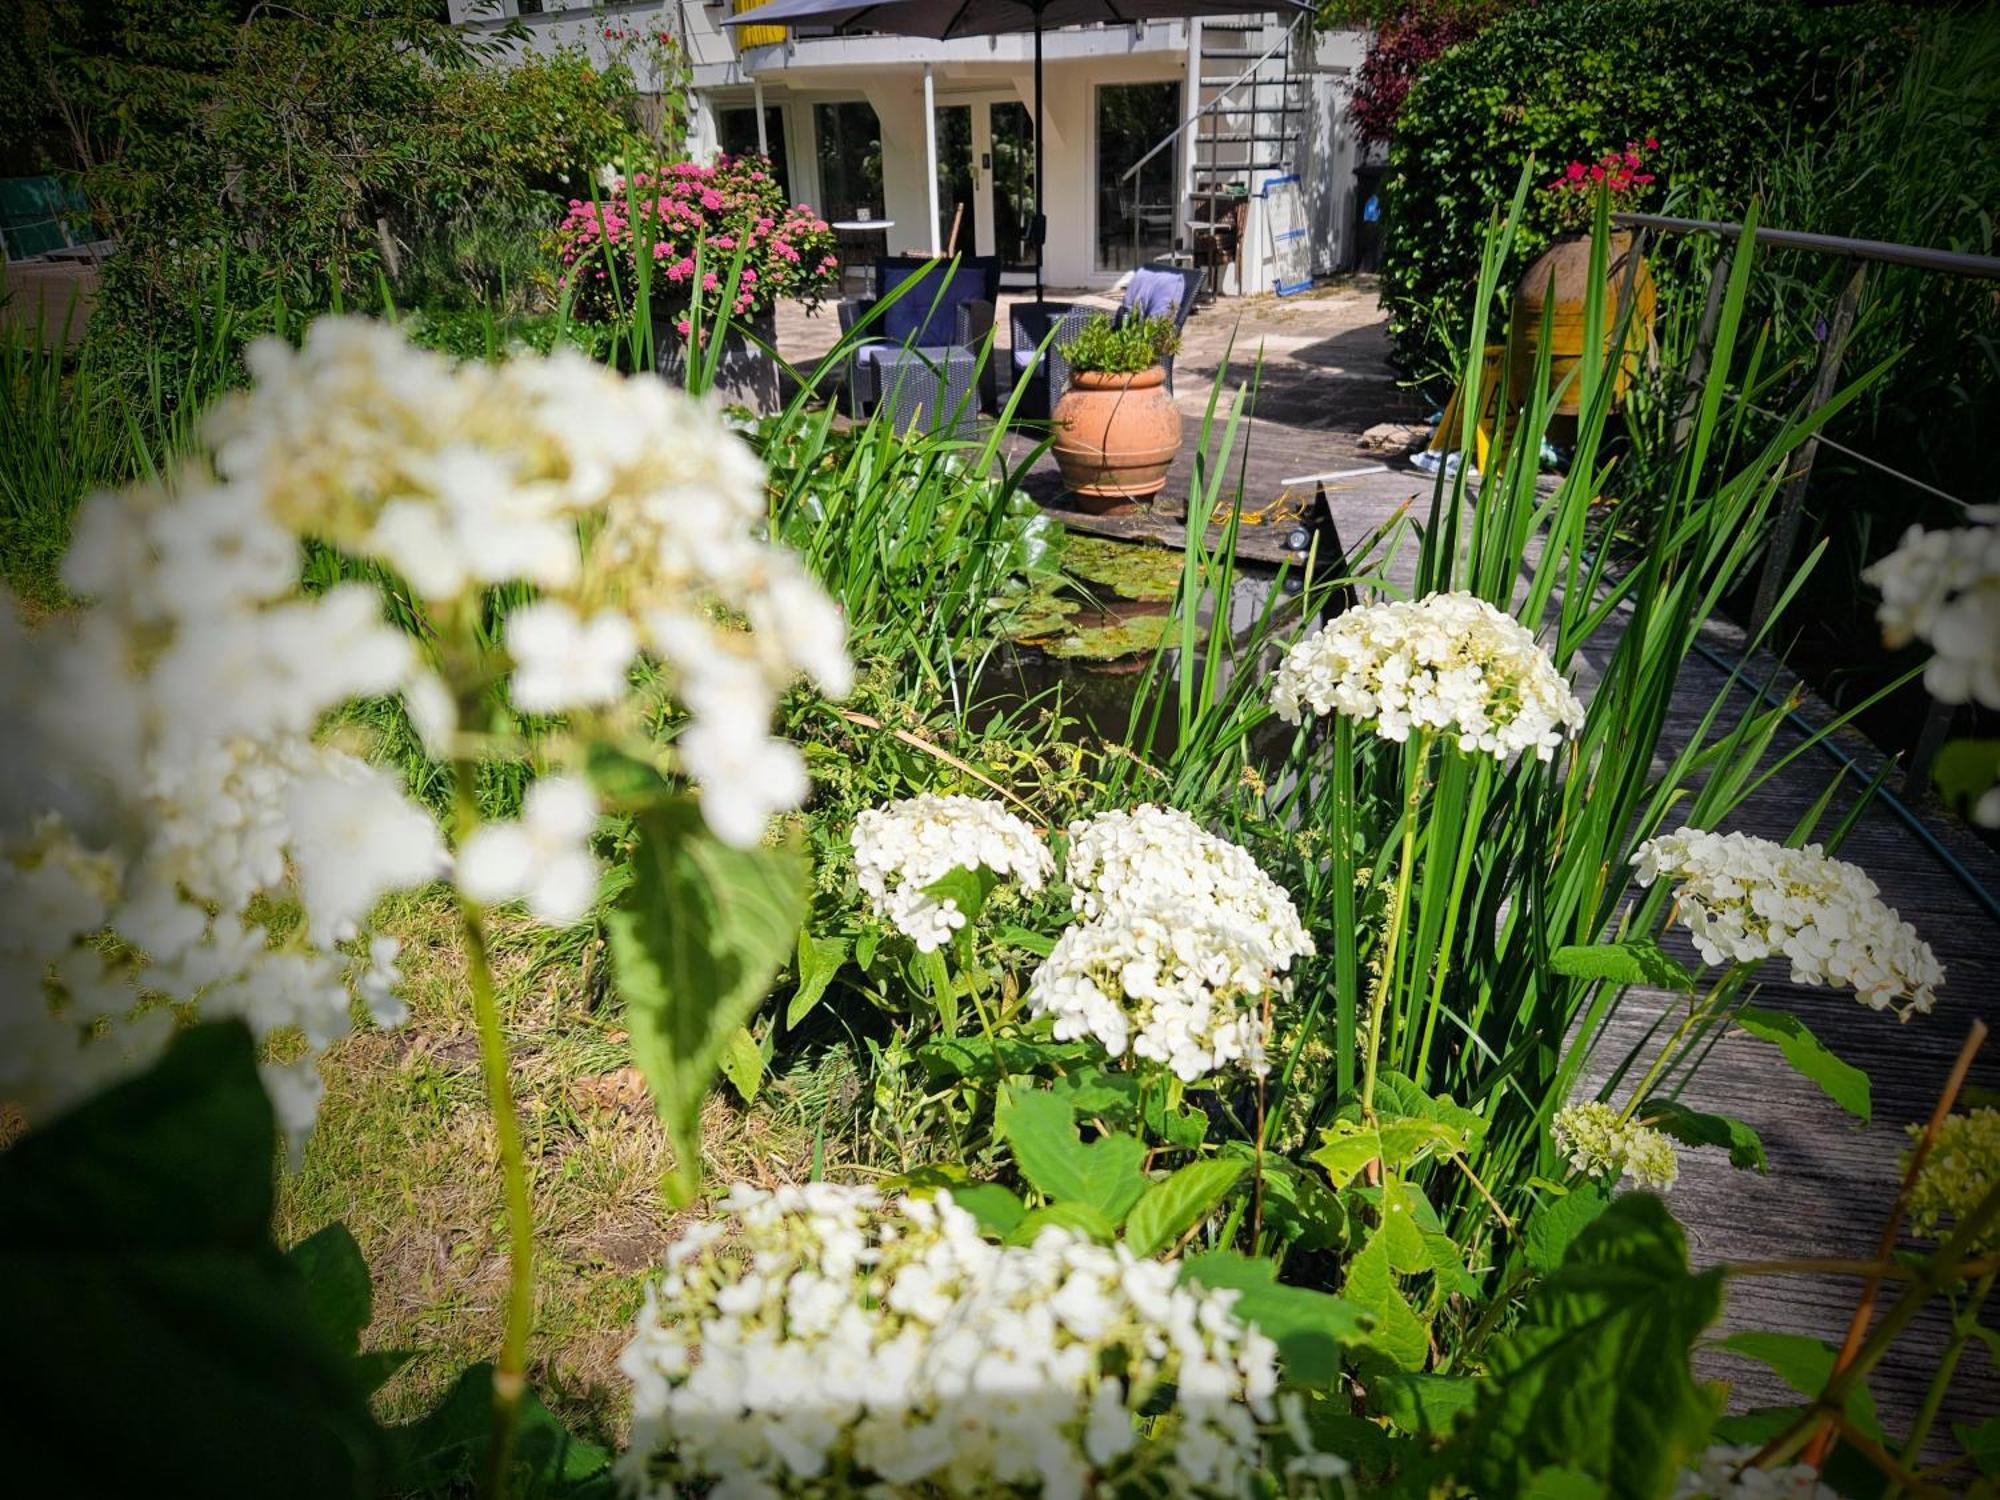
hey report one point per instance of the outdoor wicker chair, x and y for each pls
(948, 307)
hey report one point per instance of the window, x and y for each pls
(527, 7)
(736, 133)
(1135, 217)
(850, 159)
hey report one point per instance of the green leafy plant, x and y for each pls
(1715, 81)
(1122, 346)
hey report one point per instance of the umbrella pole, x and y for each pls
(1041, 222)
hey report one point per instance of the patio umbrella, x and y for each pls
(943, 20)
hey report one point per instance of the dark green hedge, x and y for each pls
(1724, 84)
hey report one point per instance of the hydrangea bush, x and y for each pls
(687, 212)
(903, 848)
(824, 1340)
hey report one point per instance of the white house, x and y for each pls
(1210, 114)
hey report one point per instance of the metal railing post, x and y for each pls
(1785, 534)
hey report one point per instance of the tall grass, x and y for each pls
(81, 415)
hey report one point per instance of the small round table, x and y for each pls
(853, 234)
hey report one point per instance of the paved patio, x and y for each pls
(1320, 366)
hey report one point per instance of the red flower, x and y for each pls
(1575, 171)
(1652, 143)
(1597, 174)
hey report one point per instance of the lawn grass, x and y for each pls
(403, 1155)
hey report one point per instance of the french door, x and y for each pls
(986, 177)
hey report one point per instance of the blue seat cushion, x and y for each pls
(913, 312)
(1155, 294)
(1023, 357)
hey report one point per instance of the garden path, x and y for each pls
(1325, 379)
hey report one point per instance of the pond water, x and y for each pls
(1099, 663)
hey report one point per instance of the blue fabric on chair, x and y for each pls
(925, 312)
(1023, 358)
(1155, 294)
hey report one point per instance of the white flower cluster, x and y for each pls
(902, 847)
(1599, 1144)
(1449, 663)
(162, 785)
(166, 781)
(1185, 945)
(1943, 588)
(823, 1341)
(1746, 899)
(1726, 1473)
(633, 510)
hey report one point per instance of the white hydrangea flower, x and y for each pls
(1726, 1473)
(1184, 949)
(1957, 1173)
(1599, 1144)
(542, 858)
(1185, 986)
(460, 476)
(561, 661)
(826, 1342)
(1159, 856)
(1746, 899)
(1450, 664)
(1943, 588)
(163, 780)
(902, 847)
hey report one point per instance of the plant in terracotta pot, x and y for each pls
(1561, 275)
(1116, 427)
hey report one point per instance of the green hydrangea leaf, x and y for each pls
(1982, 1443)
(998, 1211)
(1107, 1174)
(1397, 1332)
(695, 944)
(1558, 1219)
(156, 1335)
(1595, 1377)
(443, 1452)
(1171, 1207)
(819, 959)
(1806, 1365)
(1842, 1082)
(1346, 1149)
(1310, 1328)
(1638, 961)
(1691, 1127)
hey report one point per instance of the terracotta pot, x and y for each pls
(1562, 276)
(1116, 436)
(746, 375)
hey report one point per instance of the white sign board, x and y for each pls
(1289, 250)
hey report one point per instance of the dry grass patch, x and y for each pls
(403, 1155)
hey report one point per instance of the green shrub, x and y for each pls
(298, 157)
(1106, 347)
(1722, 84)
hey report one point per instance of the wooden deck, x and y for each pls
(1831, 1181)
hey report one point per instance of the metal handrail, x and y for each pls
(1196, 118)
(1952, 262)
(1784, 537)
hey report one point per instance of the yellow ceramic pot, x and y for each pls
(1562, 276)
